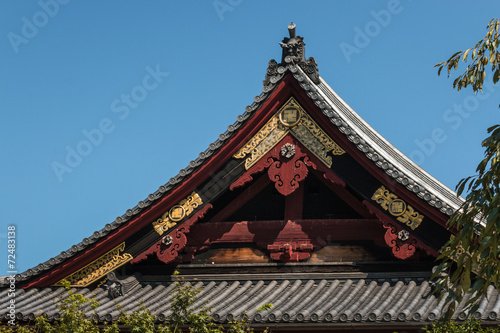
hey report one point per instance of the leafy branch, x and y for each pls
(470, 260)
(483, 53)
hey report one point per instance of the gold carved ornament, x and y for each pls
(403, 212)
(290, 118)
(177, 213)
(98, 268)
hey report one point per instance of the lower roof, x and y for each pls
(313, 300)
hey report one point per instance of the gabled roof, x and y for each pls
(302, 74)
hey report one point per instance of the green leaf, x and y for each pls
(464, 58)
(493, 214)
(439, 70)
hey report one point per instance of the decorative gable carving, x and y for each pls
(177, 213)
(98, 268)
(285, 172)
(290, 118)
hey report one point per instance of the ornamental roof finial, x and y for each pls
(293, 47)
(291, 29)
(293, 55)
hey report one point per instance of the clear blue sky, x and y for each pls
(67, 67)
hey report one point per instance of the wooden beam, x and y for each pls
(294, 204)
(330, 180)
(248, 194)
(317, 231)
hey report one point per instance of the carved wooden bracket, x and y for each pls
(167, 249)
(402, 249)
(401, 241)
(287, 165)
(290, 251)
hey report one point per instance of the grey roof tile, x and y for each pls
(311, 301)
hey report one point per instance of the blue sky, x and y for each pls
(151, 83)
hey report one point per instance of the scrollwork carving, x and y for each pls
(310, 67)
(402, 249)
(99, 267)
(304, 129)
(403, 212)
(167, 252)
(285, 172)
(177, 213)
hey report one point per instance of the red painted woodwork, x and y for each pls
(117, 236)
(290, 251)
(286, 173)
(167, 251)
(250, 192)
(401, 249)
(287, 88)
(303, 235)
(294, 205)
(290, 244)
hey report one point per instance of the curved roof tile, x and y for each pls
(311, 301)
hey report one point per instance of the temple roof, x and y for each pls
(376, 149)
(311, 300)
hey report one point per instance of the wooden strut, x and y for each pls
(167, 249)
(286, 173)
(402, 247)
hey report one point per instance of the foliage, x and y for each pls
(476, 245)
(484, 52)
(182, 319)
(72, 313)
(471, 325)
(183, 315)
(243, 326)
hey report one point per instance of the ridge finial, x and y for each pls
(291, 29)
(293, 54)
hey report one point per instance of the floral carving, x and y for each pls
(286, 173)
(167, 251)
(287, 150)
